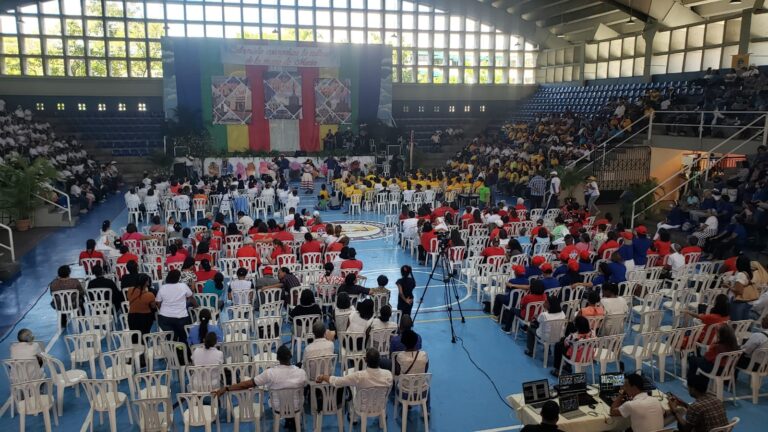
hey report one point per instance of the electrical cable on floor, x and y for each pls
(496, 389)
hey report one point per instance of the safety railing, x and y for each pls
(602, 146)
(9, 245)
(67, 209)
(762, 130)
(679, 123)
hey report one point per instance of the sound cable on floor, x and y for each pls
(471, 360)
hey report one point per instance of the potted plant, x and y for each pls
(22, 182)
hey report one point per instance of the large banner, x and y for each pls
(282, 96)
(231, 98)
(333, 101)
(281, 55)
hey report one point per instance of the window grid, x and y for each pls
(121, 38)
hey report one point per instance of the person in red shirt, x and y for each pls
(539, 226)
(607, 220)
(206, 272)
(337, 246)
(493, 250)
(126, 255)
(441, 211)
(352, 262)
(569, 249)
(248, 251)
(691, 248)
(611, 243)
(467, 217)
(173, 255)
(91, 252)
(283, 236)
(427, 234)
(203, 252)
(310, 245)
(535, 294)
(663, 245)
(729, 265)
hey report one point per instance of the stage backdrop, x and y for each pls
(270, 95)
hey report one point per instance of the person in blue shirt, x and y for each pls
(533, 269)
(547, 279)
(640, 246)
(618, 270)
(734, 235)
(626, 250)
(203, 327)
(603, 274)
(520, 281)
(571, 274)
(585, 262)
(724, 209)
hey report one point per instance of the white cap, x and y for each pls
(315, 213)
(499, 223)
(553, 173)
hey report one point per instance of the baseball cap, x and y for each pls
(627, 235)
(546, 267)
(573, 265)
(519, 270)
(584, 255)
(538, 260)
(641, 229)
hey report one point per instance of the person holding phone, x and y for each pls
(705, 413)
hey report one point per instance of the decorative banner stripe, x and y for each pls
(258, 130)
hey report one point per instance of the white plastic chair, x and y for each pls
(355, 202)
(152, 385)
(33, 398)
(723, 370)
(583, 355)
(67, 304)
(301, 333)
(203, 379)
(757, 370)
(63, 378)
(104, 397)
(118, 365)
(20, 371)
(727, 428)
(323, 402)
(380, 339)
(413, 390)
(153, 345)
(532, 310)
(236, 330)
(199, 410)
(609, 351)
(642, 348)
(154, 414)
(246, 406)
(287, 403)
(556, 331)
(83, 348)
(370, 402)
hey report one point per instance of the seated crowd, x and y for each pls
(84, 179)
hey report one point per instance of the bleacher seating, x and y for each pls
(125, 134)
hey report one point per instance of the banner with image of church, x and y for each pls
(270, 95)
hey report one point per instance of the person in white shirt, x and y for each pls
(207, 355)
(412, 360)
(675, 260)
(172, 299)
(592, 193)
(27, 349)
(553, 311)
(611, 302)
(132, 199)
(292, 200)
(383, 322)
(282, 376)
(411, 225)
(322, 345)
(708, 229)
(371, 377)
(362, 318)
(554, 190)
(757, 340)
(181, 201)
(645, 413)
(246, 220)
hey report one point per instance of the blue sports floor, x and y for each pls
(463, 399)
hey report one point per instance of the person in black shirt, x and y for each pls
(550, 414)
(306, 306)
(405, 286)
(101, 282)
(351, 287)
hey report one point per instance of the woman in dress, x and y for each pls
(405, 286)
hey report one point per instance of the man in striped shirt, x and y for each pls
(537, 186)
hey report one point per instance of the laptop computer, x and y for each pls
(569, 406)
(575, 384)
(610, 384)
(535, 393)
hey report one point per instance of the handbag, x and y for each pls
(748, 294)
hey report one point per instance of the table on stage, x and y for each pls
(466, 199)
(595, 419)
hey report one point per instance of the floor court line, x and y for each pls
(502, 429)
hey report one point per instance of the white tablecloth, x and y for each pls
(596, 419)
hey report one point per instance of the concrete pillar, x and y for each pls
(648, 34)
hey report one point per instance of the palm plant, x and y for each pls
(21, 183)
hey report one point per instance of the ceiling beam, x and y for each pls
(627, 10)
(580, 26)
(560, 7)
(693, 3)
(583, 14)
(529, 7)
(715, 9)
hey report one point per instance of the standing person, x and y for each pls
(141, 305)
(405, 286)
(537, 187)
(172, 299)
(554, 191)
(705, 413)
(591, 194)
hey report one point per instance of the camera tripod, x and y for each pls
(449, 287)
